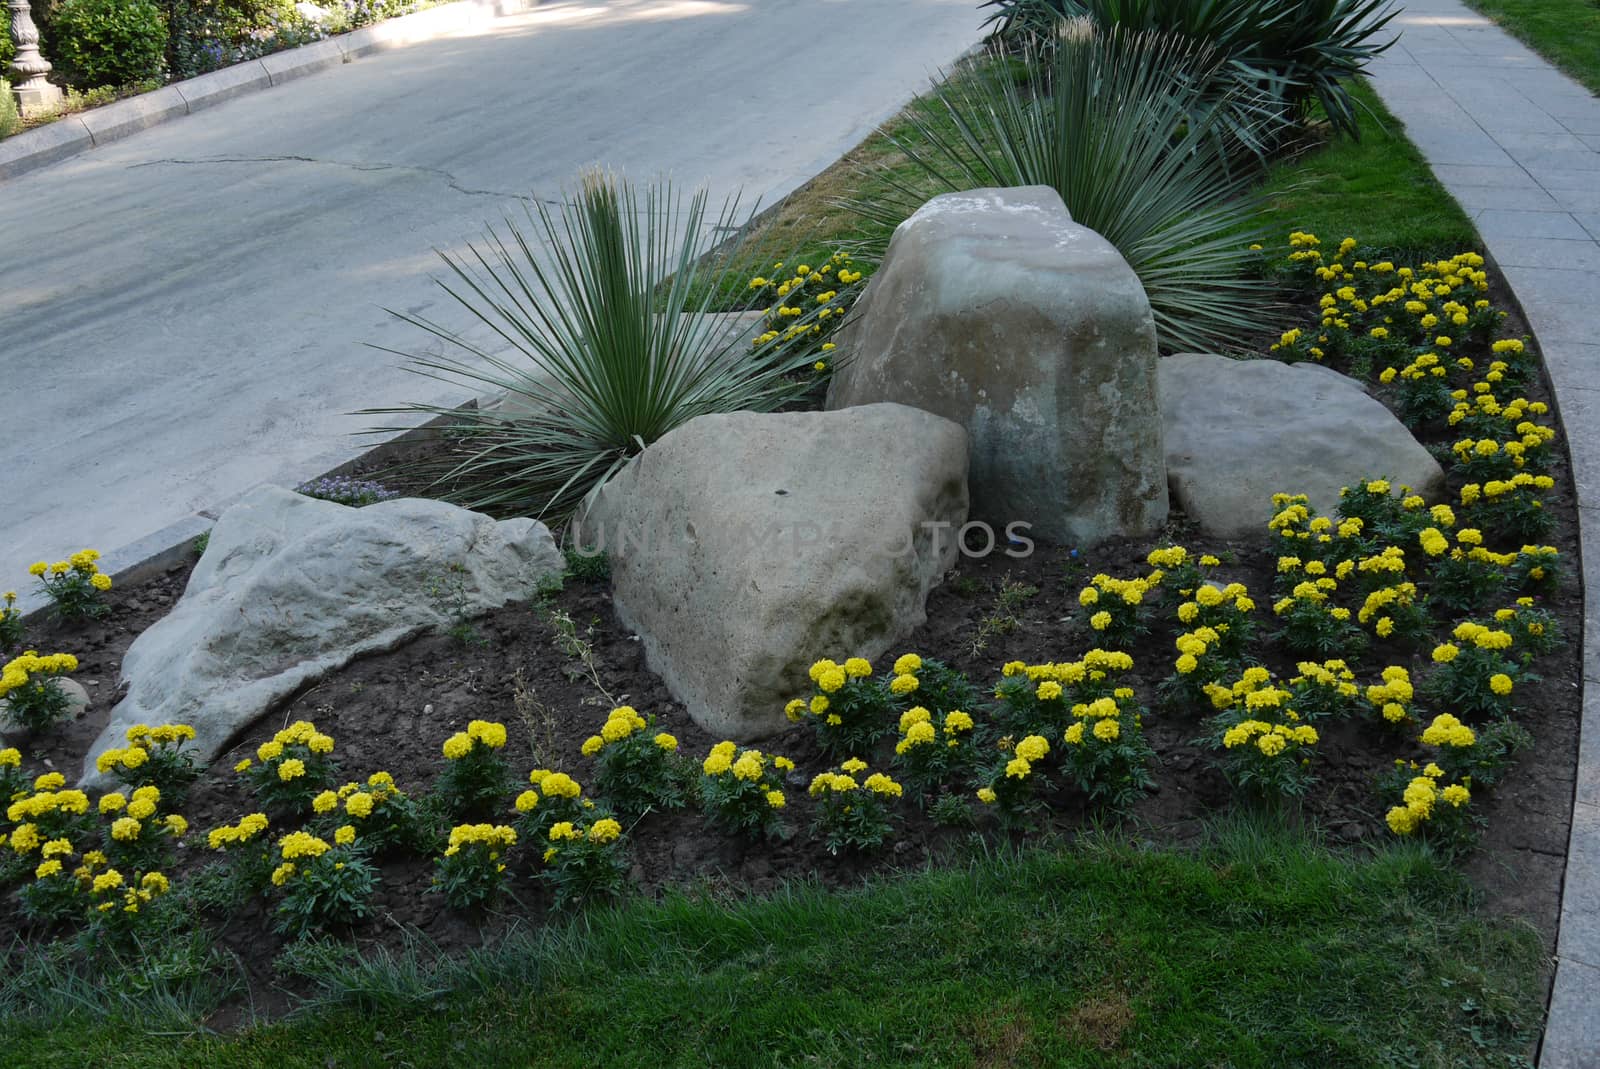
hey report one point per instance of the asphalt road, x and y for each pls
(186, 313)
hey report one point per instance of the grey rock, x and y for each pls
(292, 588)
(77, 695)
(994, 309)
(1239, 431)
(745, 546)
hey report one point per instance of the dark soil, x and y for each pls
(392, 711)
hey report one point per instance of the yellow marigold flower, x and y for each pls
(857, 668)
(559, 785)
(880, 784)
(1500, 683)
(112, 803)
(775, 800)
(819, 703)
(177, 826)
(457, 746)
(667, 742)
(291, 769)
(1456, 795)
(831, 680)
(1107, 730)
(282, 873)
(795, 709)
(1048, 691)
(344, 835)
(907, 664)
(47, 869)
(904, 684)
(126, 829)
(299, 844)
(592, 745)
(269, 751)
(1445, 652)
(748, 766)
(1033, 748)
(1018, 768)
(326, 802)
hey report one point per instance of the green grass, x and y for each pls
(1260, 950)
(1378, 190)
(1566, 32)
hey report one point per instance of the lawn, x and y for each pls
(1257, 950)
(1566, 32)
(1378, 189)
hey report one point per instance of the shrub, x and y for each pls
(606, 310)
(852, 814)
(635, 768)
(325, 885)
(10, 119)
(743, 789)
(154, 757)
(1298, 51)
(108, 42)
(472, 870)
(1107, 754)
(344, 490)
(848, 708)
(291, 768)
(74, 586)
(32, 700)
(1128, 139)
(475, 777)
(584, 863)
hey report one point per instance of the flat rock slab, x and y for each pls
(291, 588)
(995, 310)
(744, 547)
(1239, 431)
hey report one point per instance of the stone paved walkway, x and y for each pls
(1518, 145)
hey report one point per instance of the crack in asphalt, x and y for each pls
(449, 179)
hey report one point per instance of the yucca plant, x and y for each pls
(600, 337)
(1299, 51)
(1122, 128)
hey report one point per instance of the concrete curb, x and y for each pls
(1505, 134)
(77, 134)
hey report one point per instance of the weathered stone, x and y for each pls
(994, 309)
(77, 694)
(1239, 431)
(745, 546)
(291, 588)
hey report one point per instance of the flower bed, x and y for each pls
(464, 763)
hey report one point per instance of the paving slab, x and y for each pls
(1572, 1038)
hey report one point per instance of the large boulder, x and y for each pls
(994, 309)
(1239, 431)
(291, 588)
(745, 546)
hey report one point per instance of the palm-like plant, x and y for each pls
(1299, 51)
(601, 340)
(1125, 128)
